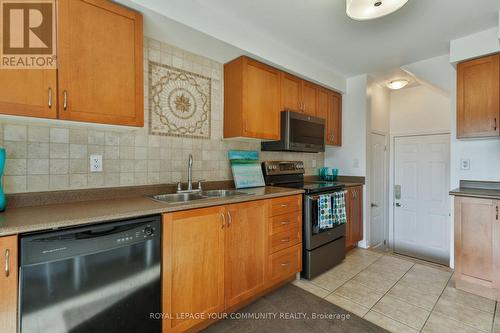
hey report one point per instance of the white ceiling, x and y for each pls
(319, 30)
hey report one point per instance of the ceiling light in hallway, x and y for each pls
(397, 84)
(362, 10)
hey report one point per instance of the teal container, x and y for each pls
(3, 202)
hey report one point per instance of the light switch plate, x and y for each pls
(95, 163)
(465, 164)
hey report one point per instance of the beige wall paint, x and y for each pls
(54, 155)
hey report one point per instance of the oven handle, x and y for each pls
(316, 197)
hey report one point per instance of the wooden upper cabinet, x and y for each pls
(246, 234)
(291, 97)
(330, 109)
(477, 246)
(29, 92)
(309, 98)
(334, 120)
(478, 97)
(354, 208)
(251, 100)
(193, 265)
(8, 284)
(100, 63)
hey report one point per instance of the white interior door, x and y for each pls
(378, 190)
(421, 212)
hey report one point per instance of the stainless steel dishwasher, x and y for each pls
(98, 278)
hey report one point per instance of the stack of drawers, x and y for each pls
(285, 238)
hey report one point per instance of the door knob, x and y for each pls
(374, 205)
(398, 204)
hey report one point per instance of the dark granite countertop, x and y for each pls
(54, 216)
(478, 189)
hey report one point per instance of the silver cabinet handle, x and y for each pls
(495, 125)
(230, 219)
(50, 98)
(285, 240)
(7, 255)
(497, 213)
(65, 100)
(285, 222)
(223, 220)
(284, 205)
(285, 264)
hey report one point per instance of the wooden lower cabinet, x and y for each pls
(477, 246)
(193, 265)
(218, 259)
(246, 251)
(8, 284)
(354, 209)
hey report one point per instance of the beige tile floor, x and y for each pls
(401, 294)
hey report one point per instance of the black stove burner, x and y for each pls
(312, 187)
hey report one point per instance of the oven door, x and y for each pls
(315, 237)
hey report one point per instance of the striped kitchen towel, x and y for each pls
(339, 210)
(325, 213)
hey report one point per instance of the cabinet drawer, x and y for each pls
(285, 222)
(285, 263)
(284, 239)
(285, 205)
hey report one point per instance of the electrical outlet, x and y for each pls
(95, 163)
(465, 164)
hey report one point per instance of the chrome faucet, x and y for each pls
(190, 173)
(190, 179)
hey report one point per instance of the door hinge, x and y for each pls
(385, 148)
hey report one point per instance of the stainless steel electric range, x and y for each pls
(322, 248)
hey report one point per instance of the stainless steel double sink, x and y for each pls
(187, 197)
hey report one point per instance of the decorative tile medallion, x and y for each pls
(180, 102)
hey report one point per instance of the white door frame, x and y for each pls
(392, 173)
(386, 185)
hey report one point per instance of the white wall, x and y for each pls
(475, 45)
(419, 110)
(380, 99)
(350, 159)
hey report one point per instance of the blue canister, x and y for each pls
(3, 203)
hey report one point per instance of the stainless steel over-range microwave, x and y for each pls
(299, 132)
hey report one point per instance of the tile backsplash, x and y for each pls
(48, 155)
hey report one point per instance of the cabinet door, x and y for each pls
(309, 98)
(246, 251)
(323, 109)
(334, 120)
(261, 101)
(100, 63)
(193, 265)
(476, 242)
(291, 87)
(478, 97)
(354, 206)
(8, 284)
(28, 92)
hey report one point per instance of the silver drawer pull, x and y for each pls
(284, 205)
(50, 98)
(284, 264)
(7, 255)
(65, 100)
(285, 240)
(223, 220)
(285, 222)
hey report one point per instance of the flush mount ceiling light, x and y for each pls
(397, 84)
(362, 10)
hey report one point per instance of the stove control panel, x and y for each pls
(282, 167)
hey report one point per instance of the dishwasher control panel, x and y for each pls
(146, 231)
